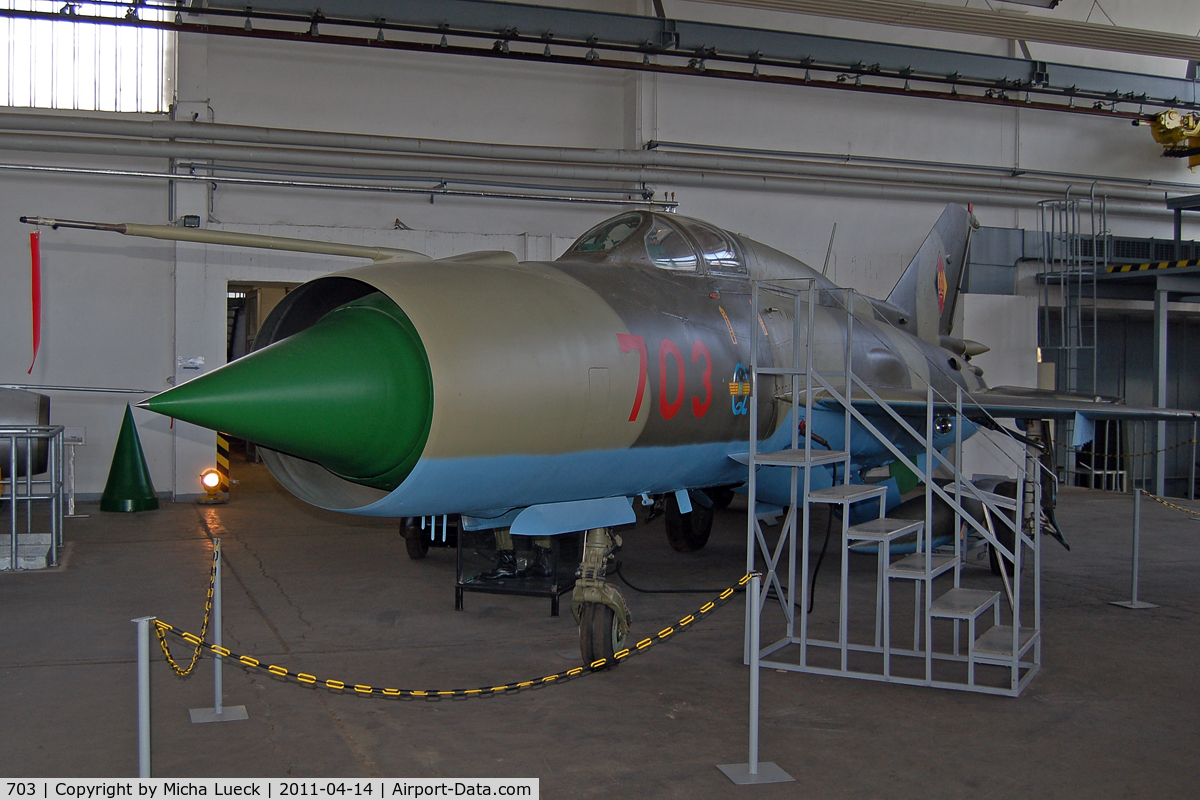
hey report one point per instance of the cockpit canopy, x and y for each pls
(663, 241)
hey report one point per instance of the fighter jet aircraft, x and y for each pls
(543, 397)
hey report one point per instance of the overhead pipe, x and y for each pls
(798, 186)
(731, 177)
(206, 133)
(333, 185)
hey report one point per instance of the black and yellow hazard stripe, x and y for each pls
(333, 684)
(1169, 504)
(223, 462)
(1194, 262)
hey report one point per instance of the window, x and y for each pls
(607, 234)
(667, 248)
(58, 63)
(720, 253)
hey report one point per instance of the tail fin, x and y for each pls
(928, 289)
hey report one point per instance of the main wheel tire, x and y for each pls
(415, 541)
(417, 547)
(599, 633)
(721, 497)
(688, 532)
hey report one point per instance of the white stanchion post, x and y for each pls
(218, 688)
(1133, 601)
(753, 771)
(143, 681)
(218, 713)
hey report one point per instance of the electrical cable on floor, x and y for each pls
(812, 584)
(624, 580)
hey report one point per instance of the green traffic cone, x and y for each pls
(129, 487)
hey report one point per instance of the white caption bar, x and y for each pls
(269, 789)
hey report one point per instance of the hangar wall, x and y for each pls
(121, 312)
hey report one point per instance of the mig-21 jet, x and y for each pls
(539, 398)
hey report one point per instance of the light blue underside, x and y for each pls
(491, 486)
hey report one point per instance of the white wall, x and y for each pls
(120, 312)
(1008, 325)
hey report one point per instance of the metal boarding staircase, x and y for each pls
(1009, 642)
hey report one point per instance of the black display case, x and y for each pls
(477, 555)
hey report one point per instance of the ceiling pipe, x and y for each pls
(723, 172)
(809, 186)
(206, 132)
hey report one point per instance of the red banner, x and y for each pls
(35, 254)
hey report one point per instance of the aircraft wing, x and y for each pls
(1011, 402)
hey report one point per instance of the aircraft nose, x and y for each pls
(353, 393)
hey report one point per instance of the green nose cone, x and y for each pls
(352, 393)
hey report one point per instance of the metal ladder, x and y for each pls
(1012, 646)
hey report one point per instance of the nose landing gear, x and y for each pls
(597, 605)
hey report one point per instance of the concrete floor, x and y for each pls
(1115, 711)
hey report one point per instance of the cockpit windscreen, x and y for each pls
(607, 235)
(667, 247)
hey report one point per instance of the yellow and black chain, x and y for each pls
(484, 691)
(1184, 443)
(1169, 504)
(208, 604)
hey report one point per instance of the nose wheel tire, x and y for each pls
(688, 532)
(599, 634)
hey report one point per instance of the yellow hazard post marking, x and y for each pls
(333, 684)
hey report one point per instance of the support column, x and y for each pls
(200, 312)
(1160, 387)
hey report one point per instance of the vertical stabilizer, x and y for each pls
(928, 289)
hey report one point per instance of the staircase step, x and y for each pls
(883, 530)
(847, 493)
(795, 458)
(997, 641)
(913, 566)
(963, 603)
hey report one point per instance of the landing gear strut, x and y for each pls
(597, 606)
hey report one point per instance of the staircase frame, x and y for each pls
(1012, 646)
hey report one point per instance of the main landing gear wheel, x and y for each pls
(689, 532)
(417, 548)
(721, 497)
(599, 633)
(415, 541)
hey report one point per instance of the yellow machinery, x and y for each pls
(1179, 134)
